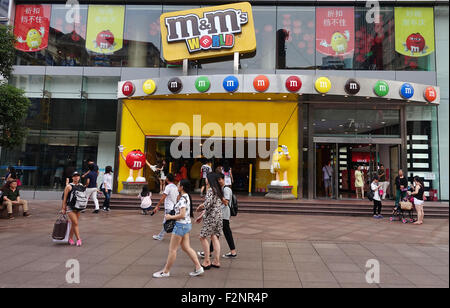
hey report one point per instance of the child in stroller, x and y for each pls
(404, 208)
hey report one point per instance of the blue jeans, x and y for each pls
(181, 229)
(107, 198)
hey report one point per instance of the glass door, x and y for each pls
(326, 163)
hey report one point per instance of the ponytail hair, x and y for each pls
(187, 189)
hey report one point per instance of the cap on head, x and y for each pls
(76, 173)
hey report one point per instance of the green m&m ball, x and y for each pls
(202, 84)
(381, 88)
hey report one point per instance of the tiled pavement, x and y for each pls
(274, 251)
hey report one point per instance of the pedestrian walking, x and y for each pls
(146, 200)
(212, 221)
(419, 200)
(327, 171)
(91, 187)
(169, 199)
(106, 188)
(401, 185)
(226, 215)
(163, 171)
(375, 186)
(359, 182)
(69, 208)
(384, 184)
(205, 170)
(181, 231)
(228, 173)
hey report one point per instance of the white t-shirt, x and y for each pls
(184, 203)
(205, 170)
(107, 181)
(374, 187)
(146, 201)
(227, 194)
(172, 193)
(227, 177)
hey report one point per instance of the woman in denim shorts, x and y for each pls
(180, 233)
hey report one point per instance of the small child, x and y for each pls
(146, 200)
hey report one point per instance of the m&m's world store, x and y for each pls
(292, 96)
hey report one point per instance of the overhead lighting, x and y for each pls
(269, 99)
(383, 122)
(323, 120)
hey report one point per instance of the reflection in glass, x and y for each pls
(67, 36)
(356, 122)
(375, 42)
(295, 37)
(142, 36)
(265, 22)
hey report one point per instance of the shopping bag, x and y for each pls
(61, 230)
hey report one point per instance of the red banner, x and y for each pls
(31, 27)
(335, 31)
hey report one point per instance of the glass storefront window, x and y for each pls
(100, 87)
(265, 23)
(375, 42)
(33, 85)
(101, 115)
(63, 86)
(142, 39)
(348, 122)
(295, 37)
(67, 36)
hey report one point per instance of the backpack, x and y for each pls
(233, 206)
(78, 198)
(370, 194)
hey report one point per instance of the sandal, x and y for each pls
(215, 266)
(206, 267)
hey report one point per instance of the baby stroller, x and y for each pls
(404, 209)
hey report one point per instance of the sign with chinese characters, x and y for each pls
(208, 32)
(414, 31)
(105, 28)
(335, 31)
(31, 27)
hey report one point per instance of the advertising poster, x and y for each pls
(31, 27)
(105, 28)
(414, 31)
(335, 31)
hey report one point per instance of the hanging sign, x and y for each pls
(208, 32)
(335, 31)
(31, 27)
(105, 28)
(414, 31)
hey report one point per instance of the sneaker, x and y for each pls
(229, 256)
(10, 216)
(26, 214)
(79, 243)
(161, 274)
(95, 211)
(197, 272)
(71, 242)
(380, 216)
(375, 216)
(155, 237)
(104, 209)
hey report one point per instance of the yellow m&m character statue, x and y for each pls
(279, 166)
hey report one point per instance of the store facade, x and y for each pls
(293, 39)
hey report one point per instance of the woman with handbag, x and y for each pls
(72, 212)
(359, 182)
(418, 195)
(212, 220)
(180, 232)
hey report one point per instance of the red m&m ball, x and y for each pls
(128, 88)
(135, 160)
(430, 94)
(293, 84)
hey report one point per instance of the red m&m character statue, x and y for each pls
(135, 160)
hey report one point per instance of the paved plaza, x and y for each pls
(273, 251)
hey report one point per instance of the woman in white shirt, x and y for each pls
(107, 187)
(180, 233)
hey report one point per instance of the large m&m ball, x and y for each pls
(135, 160)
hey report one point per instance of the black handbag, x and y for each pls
(170, 224)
